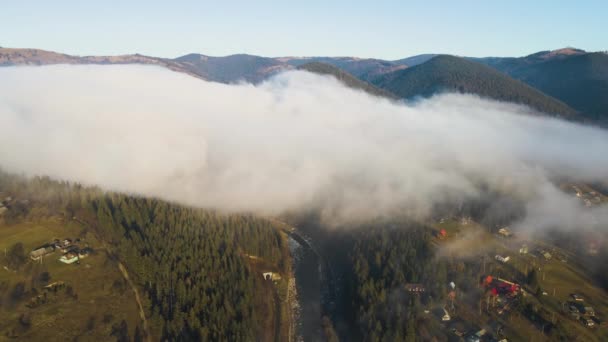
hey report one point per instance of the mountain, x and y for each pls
(362, 68)
(346, 78)
(450, 73)
(415, 60)
(577, 78)
(510, 65)
(232, 68)
(9, 56)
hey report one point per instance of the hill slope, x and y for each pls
(232, 68)
(346, 78)
(9, 57)
(449, 73)
(362, 68)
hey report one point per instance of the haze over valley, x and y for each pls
(415, 196)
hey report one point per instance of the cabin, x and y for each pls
(446, 316)
(414, 288)
(39, 253)
(69, 258)
(271, 276)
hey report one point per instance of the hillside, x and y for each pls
(362, 68)
(232, 68)
(197, 273)
(10, 56)
(579, 79)
(454, 74)
(346, 78)
(415, 60)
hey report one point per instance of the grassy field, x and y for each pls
(96, 303)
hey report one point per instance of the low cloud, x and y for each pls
(297, 141)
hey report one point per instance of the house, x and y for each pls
(523, 249)
(588, 311)
(476, 337)
(587, 322)
(446, 316)
(502, 259)
(65, 245)
(505, 232)
(2, 209)
(271, 276)
(547, 255)
(38, 253)
(415, 288)
(83, 253)
(69, 258)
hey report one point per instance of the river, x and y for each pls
(308, 274)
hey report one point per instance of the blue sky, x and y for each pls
(382, 29)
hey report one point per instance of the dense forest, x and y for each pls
(190, 263)
(450, 73)
(577, 78)
(384, 260)
(346, 78)
(370, 264)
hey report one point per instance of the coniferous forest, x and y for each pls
(190, 263)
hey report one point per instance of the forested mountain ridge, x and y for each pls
(578, 79)
(446, 73)
(568, 82)
(346, 78)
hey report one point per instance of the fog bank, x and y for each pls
(297, 141)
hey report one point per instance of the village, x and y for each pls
(519, 291)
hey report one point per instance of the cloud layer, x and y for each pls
(297, 141)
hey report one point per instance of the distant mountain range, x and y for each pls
(446, 73)
(568, 82)
(578, 78)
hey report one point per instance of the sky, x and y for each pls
(380, 29)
